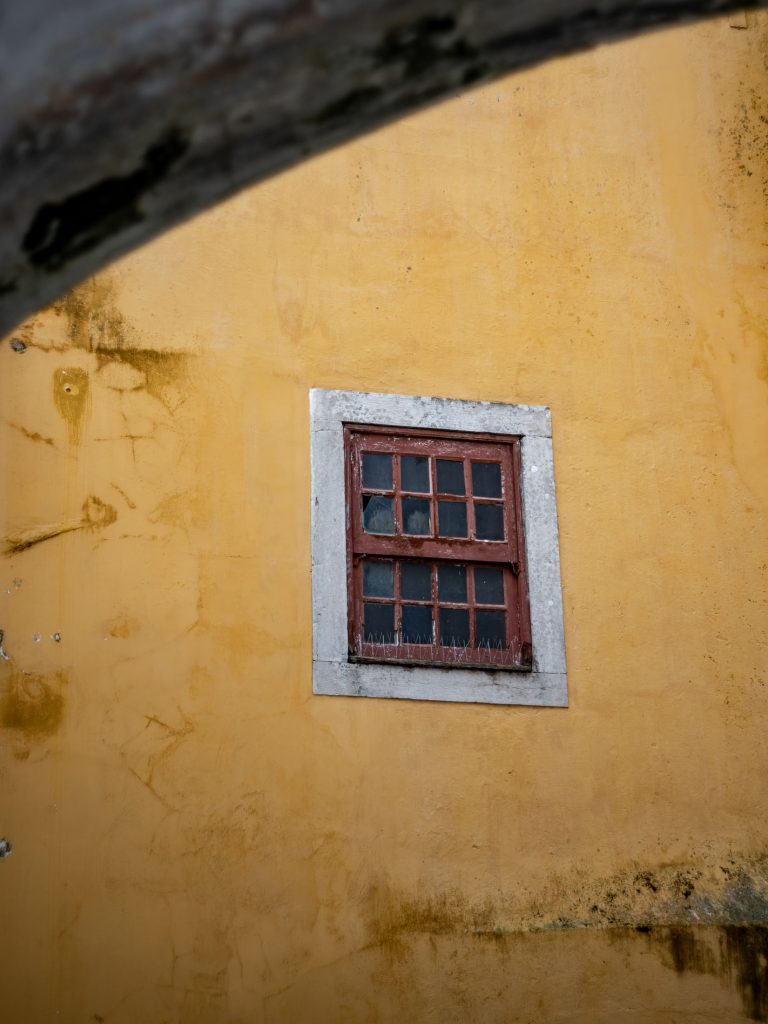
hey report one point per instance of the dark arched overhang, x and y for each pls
(122, 118)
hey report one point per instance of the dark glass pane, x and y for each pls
(378, 514)
(378, 579)
(377, 471)
(489, 586)
(454, 627)
(417, 624)
(486, 479)
(489, 522)
(452, 517)
(414, 474)
(379, 623)
(452, 583)
(416, 581)
(416, 518)
(490, 629)
(450, 477)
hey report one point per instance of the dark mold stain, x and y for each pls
(94, 320)
(708, 919)
(31, 704)
(735, 954)
(18, 345)
(61, 231)
(96, 324)
(160, 367)
(747, 138)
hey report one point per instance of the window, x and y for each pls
(435, 562)
(435, 549)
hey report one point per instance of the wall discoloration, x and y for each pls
(96, 515)
(31, 705)
(71, 395)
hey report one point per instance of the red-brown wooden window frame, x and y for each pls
(508, 555)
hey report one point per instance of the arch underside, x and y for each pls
(120, 121)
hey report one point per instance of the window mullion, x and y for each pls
(471, 604)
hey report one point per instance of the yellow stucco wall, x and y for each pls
(199, 839)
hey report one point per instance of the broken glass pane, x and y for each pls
(378, 514)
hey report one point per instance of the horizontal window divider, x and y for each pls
(424, 549)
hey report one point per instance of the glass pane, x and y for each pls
(416, 518)
(489, 586)
(414, 474)
(377, 471)
(379, 623)
(452, 583)
(450, 476)
(378, 514)
(452, 517)
(490, 629)
(486, 479)
(417, 624)
(416, 581)
(454, 627)
(378, 579)
(489, 522)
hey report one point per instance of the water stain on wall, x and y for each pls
(704, 918)
(736, 954)
(96, 515)
(71, 395)
(93, 317)
(32, 704)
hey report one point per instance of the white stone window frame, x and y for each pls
(333, 674)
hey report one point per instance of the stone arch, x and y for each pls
(123, 120)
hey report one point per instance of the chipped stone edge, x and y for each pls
(333, 674)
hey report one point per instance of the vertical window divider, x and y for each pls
(398, 617)
(470, 571)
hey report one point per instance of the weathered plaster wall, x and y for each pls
(197, 838)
